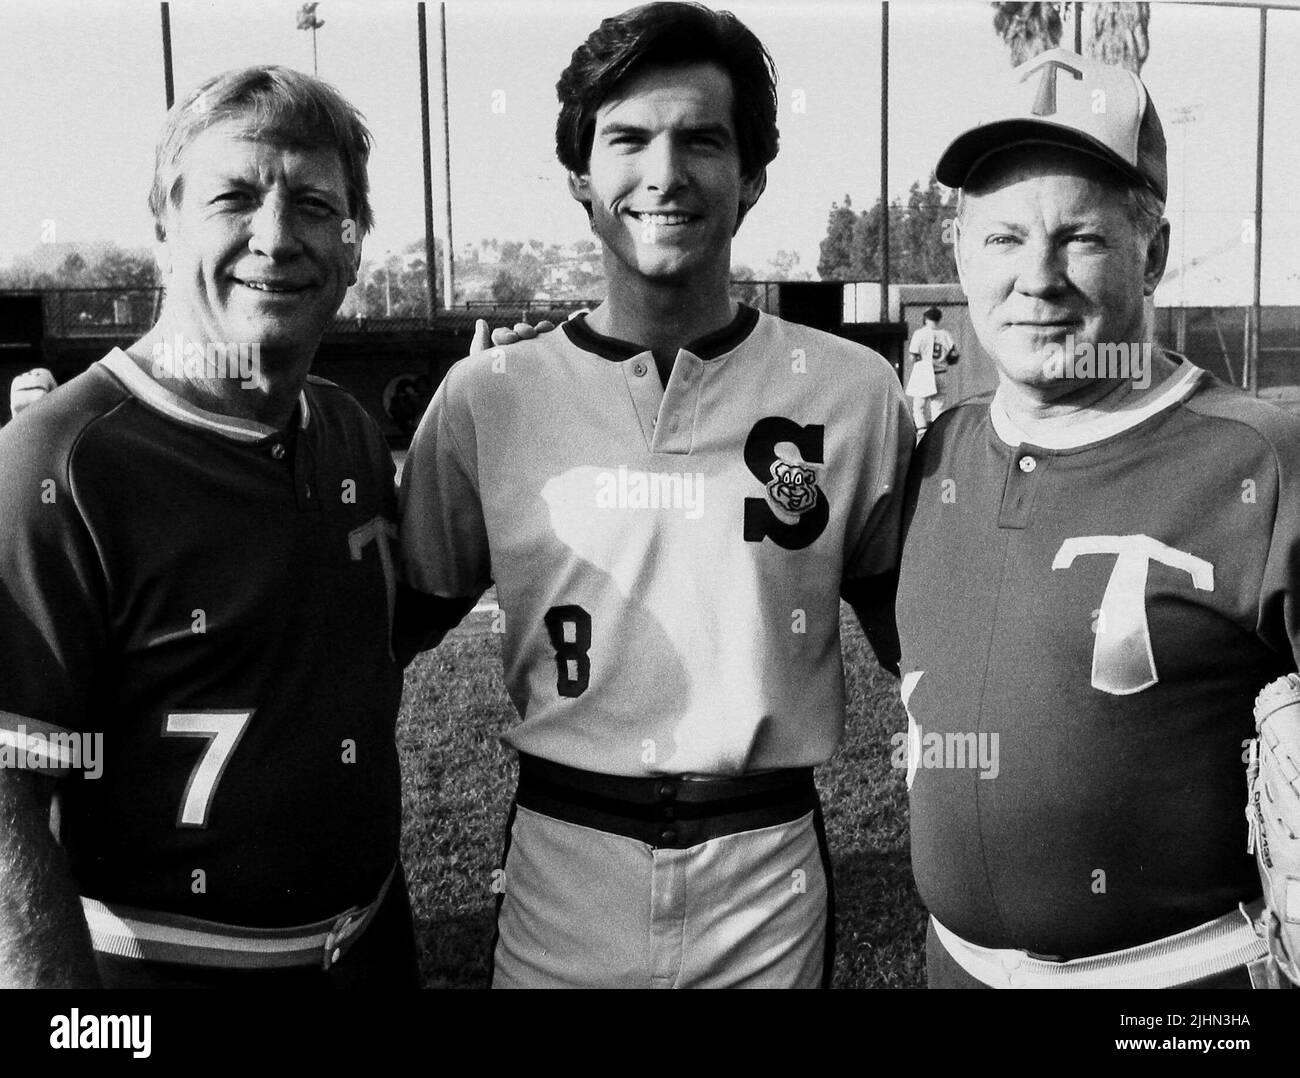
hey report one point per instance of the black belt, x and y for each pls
(665, 810)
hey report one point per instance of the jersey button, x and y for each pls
(1028, 464)
(668, 836)
(277, 451)
(667, 790)
(639, 369)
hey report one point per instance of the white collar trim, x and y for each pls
(163, 400)
(1105, 424)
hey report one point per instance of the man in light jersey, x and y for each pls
(671, 495)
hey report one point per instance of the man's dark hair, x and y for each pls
(933, 314)
(668, 35)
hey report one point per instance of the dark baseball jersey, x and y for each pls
(668, 560)
(213, 597)
(1084, 628)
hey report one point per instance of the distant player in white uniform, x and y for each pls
(933, 351)
(671, 495)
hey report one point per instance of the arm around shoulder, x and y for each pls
(445, 561)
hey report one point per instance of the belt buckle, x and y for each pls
(344, 928)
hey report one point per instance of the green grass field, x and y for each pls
(458, 779)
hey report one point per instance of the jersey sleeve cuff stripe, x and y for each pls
(33, 745)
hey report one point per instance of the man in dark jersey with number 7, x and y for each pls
(196, 597)
(671, 495)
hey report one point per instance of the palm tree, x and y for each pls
(307, 20)
(1119, 34)
(1113, 33)
(1027, 29)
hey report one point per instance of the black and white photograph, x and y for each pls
(521, 494)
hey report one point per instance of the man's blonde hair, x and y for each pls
(278, 105)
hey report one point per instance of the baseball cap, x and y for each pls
(1060, 98)
(30, 387)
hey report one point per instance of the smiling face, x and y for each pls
(1047, 248)
(255, 250)
(663, 182)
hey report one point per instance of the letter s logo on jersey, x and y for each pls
(795, 511)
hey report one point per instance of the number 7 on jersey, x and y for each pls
(223, 729)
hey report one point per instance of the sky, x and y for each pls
(81, 101)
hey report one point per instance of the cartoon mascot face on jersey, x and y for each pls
(787, 458)
(793, 487)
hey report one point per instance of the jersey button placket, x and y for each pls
(1024, 475)
(305, 480)
(681, 399)
(643, 387)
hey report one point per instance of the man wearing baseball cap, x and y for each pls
(1099, 575)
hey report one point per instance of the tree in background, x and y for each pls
(1119, 34)
(1113, 33)
(926, 232)
(516, 273)
(127, 269)
(394, 285)
(920, 232)
(784, 266)
(745, 286)
(837, 248)
(509, 287)
(1027, 29)
(77, 265)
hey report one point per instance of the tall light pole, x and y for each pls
(1250, 379)
(1182, 117)
(430, 248)
(449, 252)
(169, 85)
(884, 161)
(307, 21)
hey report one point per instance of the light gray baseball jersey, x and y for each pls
(668, 560)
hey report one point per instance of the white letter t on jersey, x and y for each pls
(1122, 660)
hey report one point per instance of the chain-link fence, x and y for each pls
(127, 312)
(1215, 338)
(99, 312)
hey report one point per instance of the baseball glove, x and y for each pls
(1273, 813)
